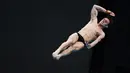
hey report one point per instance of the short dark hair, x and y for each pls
(104, 15)
(111, 18)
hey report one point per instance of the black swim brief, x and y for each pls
(81, 39)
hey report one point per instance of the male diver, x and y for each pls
(88, 36)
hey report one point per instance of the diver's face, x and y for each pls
(104, 22)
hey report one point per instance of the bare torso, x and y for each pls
(91, 31)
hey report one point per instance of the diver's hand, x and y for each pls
(88, 46)
(110, 12)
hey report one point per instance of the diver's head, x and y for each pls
(105, 21)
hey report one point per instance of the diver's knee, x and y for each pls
(77, 48)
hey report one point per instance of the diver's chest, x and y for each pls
(94, 31)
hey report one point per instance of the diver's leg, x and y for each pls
(71, 40)
(75, 47)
